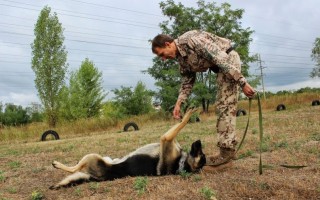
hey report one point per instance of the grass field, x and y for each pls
(292, 137)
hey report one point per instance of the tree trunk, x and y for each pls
(203, 104)
(207, 108)
(52, 119)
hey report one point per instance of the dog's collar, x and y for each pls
(181, 162)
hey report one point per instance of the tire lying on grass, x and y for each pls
(50, 132)
(315, 103)
(241, 112)
(130, 124)
(281, 107)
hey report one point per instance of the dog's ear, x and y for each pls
(196, 148)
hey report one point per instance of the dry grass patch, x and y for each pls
(291, 137)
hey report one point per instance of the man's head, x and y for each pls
(164, 47)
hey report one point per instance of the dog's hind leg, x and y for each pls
(78, 176)
(82, 163)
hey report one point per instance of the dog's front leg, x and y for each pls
(173, 132)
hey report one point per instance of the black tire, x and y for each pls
(241, 112)
(281, 107)
(128, 125)
(315, 103)
(50, 132)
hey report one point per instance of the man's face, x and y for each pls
(167, 52)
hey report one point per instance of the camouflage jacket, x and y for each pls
(198, 51)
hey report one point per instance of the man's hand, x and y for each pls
(248, 90)
(176, 110)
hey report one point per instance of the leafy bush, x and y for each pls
(134, 102)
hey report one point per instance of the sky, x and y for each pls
(115, 35)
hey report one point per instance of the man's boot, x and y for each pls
(221, 161)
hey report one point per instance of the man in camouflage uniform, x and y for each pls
(197, 51)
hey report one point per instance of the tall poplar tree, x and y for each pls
(315, 55)
(49, 62)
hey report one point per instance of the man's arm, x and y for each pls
(188, 79)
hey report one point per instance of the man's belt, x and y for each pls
(215, 69)
(229, 50)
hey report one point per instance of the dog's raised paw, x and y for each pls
(56, 164)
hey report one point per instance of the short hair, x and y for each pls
(160, 40)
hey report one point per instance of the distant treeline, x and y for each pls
(288, 92)
(13, 115)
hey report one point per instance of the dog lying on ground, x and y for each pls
(157, 159)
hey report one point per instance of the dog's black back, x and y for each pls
(136, 165)
(143, 164)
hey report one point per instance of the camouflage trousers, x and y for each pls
(226, 105)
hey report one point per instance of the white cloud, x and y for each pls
(268, 19)
(19, 99)
(313, 83)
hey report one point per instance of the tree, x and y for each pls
(35, 112)
(85, 91)
(168, 81)
(222, 21)
(65, 105)
(49, 62)
(316, 57)
(1, 114)
(134, 102)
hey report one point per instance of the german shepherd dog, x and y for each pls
(156, 159)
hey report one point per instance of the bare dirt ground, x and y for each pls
(292, 137)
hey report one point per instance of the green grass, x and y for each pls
(246, 154)
(68, 148)
(11, 152)
(282, 144)
(207, 193)
(315, 136)
(12, 190)
(196, 178)
(254, 131)
(94, 186)
(265, 146)
(77, 192)
(184, 174)
(123, 140)
(140, 184)
(264, 186)
(2, 177)
(36, 195)
(314, 150)
(14, 164)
